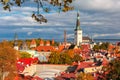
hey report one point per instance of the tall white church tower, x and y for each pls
(78, 32)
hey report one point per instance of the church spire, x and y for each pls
(78, 22)
(78, 32)
(15, 39)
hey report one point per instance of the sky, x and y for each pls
(99, 19)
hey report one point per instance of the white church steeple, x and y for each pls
(78, 32)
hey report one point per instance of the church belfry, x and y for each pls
(78, 32)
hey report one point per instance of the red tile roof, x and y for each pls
(45, 48)
(33, 42)
(84, 65)
(74, 63)
(68, 75)
(37, 78)
(41, 42)
(59, 78)
(105, 62)
(78, 51)
(47, 43)
(61, 48)
(85, 47)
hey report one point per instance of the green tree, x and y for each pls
(70, 52)
(65, 58)
(77, 58)
(96, 47)
(25, 55)
(104, 46)
(59, 58)
(8, 58)
(84, 76)
(54, 58)
(114, 70)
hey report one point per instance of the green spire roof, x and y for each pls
(78, 22)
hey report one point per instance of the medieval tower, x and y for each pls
(78, 32)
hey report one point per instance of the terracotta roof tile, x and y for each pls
(33, 42)
(41, 42)
(84, 65)
(47, 43)
(45, 48)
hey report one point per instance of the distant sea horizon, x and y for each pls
(95, 40)
(48, 33)
(107, 40)
(72, 40)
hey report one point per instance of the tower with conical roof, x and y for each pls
(33, 44)
(78, 32)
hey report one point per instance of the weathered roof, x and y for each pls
(86, 38)
(45, 48)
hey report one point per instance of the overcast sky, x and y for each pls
(98, 18)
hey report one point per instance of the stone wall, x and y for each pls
(43, 67)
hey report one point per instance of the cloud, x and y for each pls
(23, 18)
(29, 33)
(106, 35)
(92, 23)
(70, 36)
(97, 5)
(99, 18)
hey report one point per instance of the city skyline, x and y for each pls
(99, 19)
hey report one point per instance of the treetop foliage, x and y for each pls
(84, 76)
(8, 58)
(64, 58)
(62, 5)
(111, 71)
(103, 46)
(25, 55)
